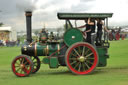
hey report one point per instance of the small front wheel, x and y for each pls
(22, 66)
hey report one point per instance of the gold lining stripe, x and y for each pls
(47, 49)
(58, 46)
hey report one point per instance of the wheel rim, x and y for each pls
(36, 63)
(21, 66)
(81, 58)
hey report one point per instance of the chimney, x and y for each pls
(28, 15)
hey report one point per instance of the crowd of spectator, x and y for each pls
(9, 43)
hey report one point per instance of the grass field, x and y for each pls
(116, 72)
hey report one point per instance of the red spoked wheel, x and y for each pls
(22, 66)
(81, 58)
(36, 63)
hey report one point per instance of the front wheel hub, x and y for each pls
(22, 66)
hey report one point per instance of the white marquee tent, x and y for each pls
(10, 33)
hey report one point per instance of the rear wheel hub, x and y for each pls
(81, 59)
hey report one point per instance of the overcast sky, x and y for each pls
(45, 11)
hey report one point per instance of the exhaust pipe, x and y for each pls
(28, 15)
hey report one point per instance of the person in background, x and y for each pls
(25, 41)
(18, 42)
(114, 34)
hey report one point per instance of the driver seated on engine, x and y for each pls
(43, 36)
(87, 32)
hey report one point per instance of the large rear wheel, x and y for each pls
(81, 58)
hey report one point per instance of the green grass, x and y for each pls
(116, 72)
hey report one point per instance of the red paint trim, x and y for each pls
(95, 59)
(43, 38)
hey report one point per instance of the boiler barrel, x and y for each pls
(40, 50)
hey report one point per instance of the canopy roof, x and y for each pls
(83, 15)
(5, 28)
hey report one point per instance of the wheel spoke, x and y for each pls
(25, 63)
(76, 65)
(19, 60)
(83, 51)
(35, 65)
(17, 63)
(73, 54)
(22, 60)
(88, 55)
(35, 62)
(73, 62)
(33, 59)
(17, 69)
(21, 71)
(17, 66)
(25, 70)
(89, 62)
(79, 50)
(83, 66)
(79, 67)
(76, 52)
(87, 65)
(27, 66)
(90, 58)
(74, 59)
(87, 51)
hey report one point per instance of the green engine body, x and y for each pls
(55, 56)
(50, 51)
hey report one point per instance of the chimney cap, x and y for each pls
(28, 13)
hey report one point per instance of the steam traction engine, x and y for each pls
(79, 56)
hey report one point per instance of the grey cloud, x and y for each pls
(43, 16)
(52, 2)
(82, 7)
(25, 5)
(87, 0)
(13, 7)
